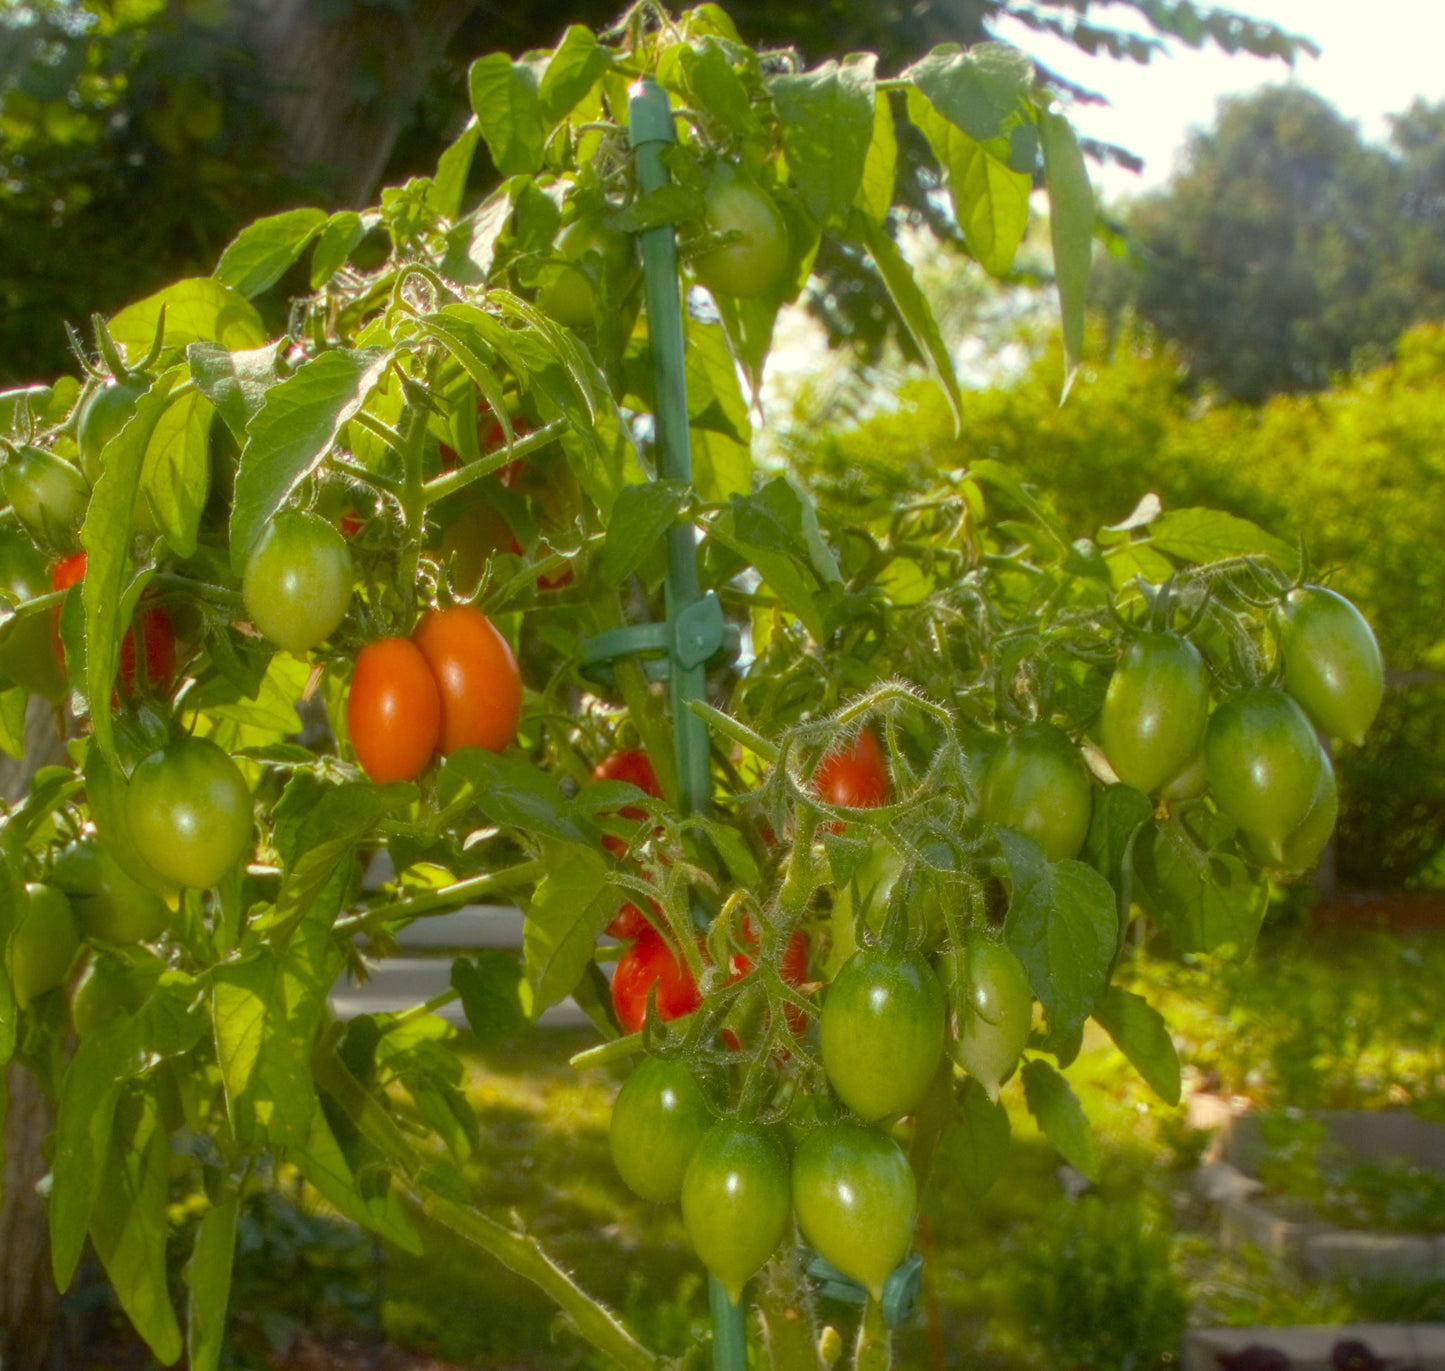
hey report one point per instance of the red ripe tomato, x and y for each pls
(628, 923)
(158, 635)
(650, 961)
(349, 524)
(633, 766)
(393, 710)
(476, 674)
(853, 777)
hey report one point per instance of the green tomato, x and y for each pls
(298, 579)
(1190, 781)
(43, 943)
(190, 812)
(1264, 762)
(753, 263)
(1301, 849)
(1155, 711)
(108, 903)
(657, 1123)
(856, 1200)
(103, 413)
(736, 1198)
(993, 1012)
(1037, 784)
(48, 493)
(569, 296)
(1332, 662)
(27, 651)
(109, 988)
(882, 1032)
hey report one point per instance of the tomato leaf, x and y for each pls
(1071, 228)
(489, 982)
(781, 517)
(507, 105)
(912, 307)
(208, 1279)
(1058, 1113)
(976, 90)
(258, 256)
(1120, 812)
(984, 1128)
(1140, 1033)
(827, 117)
(718, 89)
(346, 228)
(176, 476)
(298, 422)
(573, 69)
(12, 720)
(235, 382)
(1063, 926)
(569, 909)
(511, 790)
(714, 400)
(199, 310)
(1208, 535)
(1204, 901)
(875, 192)
(640, 519)
(128, 1226)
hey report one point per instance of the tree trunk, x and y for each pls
(28, 1299)
(338, 90)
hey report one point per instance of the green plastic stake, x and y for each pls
(650, 130)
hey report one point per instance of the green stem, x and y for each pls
(799, 883)
(785, 1301)
(873, 1351)
(604, 1054)
(420, 1011)
(732, 728)
(439, 487)
(516, 1251)
(446, 899)
(165, 583)
(413, 503)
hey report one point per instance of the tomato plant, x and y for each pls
(189, 810)
(652, 965)
(107, 902)
(856, 1200)
(477, 679)
(736, 1198)
(882, 1032)
(103, 413)
(43, 943)
(153, 624)
(109, 988)
(658, 1120)
(1038, 784)
(855, 776)
(1155, 710)
(754, 252)
(587, 246)
(297, 585)
(47, 493)
(1332, 663)
(993, 1006)
(393, 710)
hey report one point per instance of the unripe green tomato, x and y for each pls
(1332, 662)
(43, 943)
(856, 1200)
(103, 413)
(48, 494)
(1264, 762)
(657, 1122)
(753, 264)
(736, 1198)
(881, 1032)
(108, 904)
(994, 1009)
(108, 988)
(1301, 849)
(569, 297)
(1038, 785)
(190, 812)
(1155, 710)
(1190, 781)
(298, 579)
(27, 654)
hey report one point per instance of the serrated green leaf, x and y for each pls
(714, 400)
(258, 256)
(1208, 535)
(234, 382)
(512, 790)
(449, 185)
(176, 475)
(717, 89)
(12, 720)
(875, 193)
(984, 1129)
(343, 231)
(298, 422)
(1063, 926)
(976, 90)
(827, 116)
(1204, 901)
(1140, 1033)
(507, 105)
(780, 572)
(640, 519)
(1120, 812)
(1071, 228)
(199, 310)
(1058, 1113)
(566, 914)
(128, 1225)
(208, 1281)
(489, 982)
(781, 518)
(912, 307)
(574, 68)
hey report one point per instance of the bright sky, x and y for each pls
(1376, 57)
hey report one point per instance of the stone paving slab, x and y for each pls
(1420, 1346)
